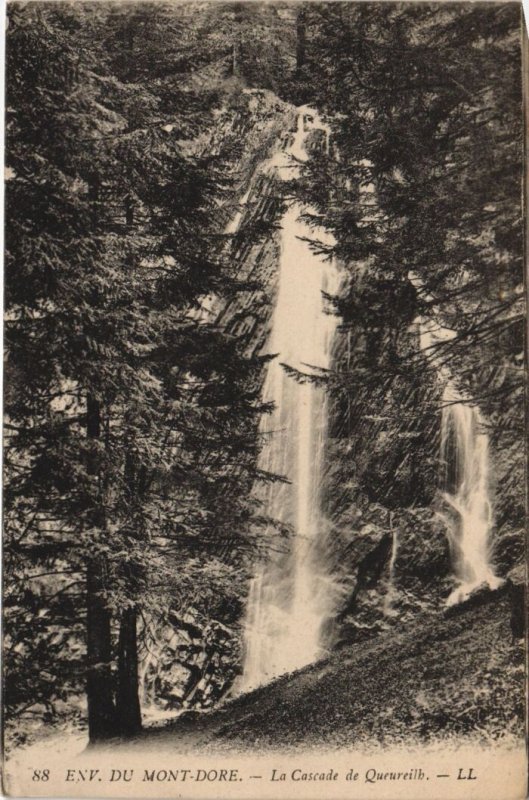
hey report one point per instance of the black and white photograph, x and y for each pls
(265, 424)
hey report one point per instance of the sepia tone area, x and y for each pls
(264, 382)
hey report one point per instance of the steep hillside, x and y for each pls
(455, 673)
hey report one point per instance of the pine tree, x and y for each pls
(427, 131)
(114, 383)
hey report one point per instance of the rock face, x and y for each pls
(384, 491)
(252, 215)
(388, 544)
(187, 665)
(392, 569)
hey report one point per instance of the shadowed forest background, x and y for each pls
(131, 524)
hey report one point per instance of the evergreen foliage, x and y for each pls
(131, 421)
(422, 194)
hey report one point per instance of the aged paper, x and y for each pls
(264, 441)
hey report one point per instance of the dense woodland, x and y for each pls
(131, 418)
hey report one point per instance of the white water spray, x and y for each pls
(292, 596)
(465, 460)
(465, 456)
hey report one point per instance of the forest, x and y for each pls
(142, 243)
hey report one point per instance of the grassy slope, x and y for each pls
(449, 675)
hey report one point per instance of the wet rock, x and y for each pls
(422, 562)
(516, 589)
(509, 547)
(481, 595)
(189, 664)
(396, 568)
(355, 631)
(365, 562)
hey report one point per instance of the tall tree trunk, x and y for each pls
(128, 702)
(99, 691)
(129, 211)
(236, 48)
(235, 55)
(301, 38)
(101, 708)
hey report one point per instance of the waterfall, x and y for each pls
(464, 474)
(292, 596)
(465, 459)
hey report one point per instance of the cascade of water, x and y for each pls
(292, 596)
(391, 592)
(465, 461)
(465, 456)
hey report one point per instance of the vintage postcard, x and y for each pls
(264, 450)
